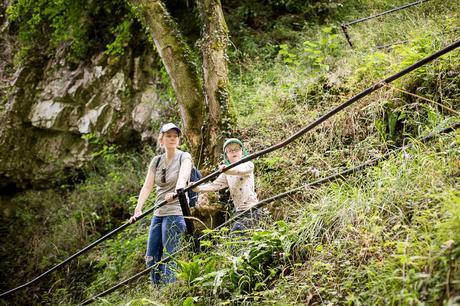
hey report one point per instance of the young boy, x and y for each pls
(239, 180)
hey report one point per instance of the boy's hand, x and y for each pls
(221, 168)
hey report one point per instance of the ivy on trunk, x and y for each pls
(204, 103)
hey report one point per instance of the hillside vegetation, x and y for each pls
(389, 235)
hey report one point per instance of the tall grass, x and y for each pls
(384, 236)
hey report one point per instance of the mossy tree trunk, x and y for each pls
(214, 43)
(176, 57)
(191, 97)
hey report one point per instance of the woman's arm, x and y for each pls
(144, 194)
(184, 173)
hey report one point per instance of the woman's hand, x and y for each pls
(136, 215)
(169, 197)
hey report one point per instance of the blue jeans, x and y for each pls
(164, 238)
(248, 221)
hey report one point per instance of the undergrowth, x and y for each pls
(49, 225)
(388, 235)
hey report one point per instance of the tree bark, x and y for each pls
(175, 55)
(181, 69)
(214, 42)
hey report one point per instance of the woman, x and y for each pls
(169, 172)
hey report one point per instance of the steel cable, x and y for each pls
(345, 25)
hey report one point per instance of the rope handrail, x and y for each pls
(252, 156)
(398, 8)
(345, 25)
(316, 183)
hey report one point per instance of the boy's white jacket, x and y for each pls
(240, 182)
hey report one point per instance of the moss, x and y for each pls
(212, 23)
(228, 117)
(172, 35)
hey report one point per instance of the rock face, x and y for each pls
(50, 107)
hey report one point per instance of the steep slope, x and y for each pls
(388, 235)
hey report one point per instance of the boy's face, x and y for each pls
(234, 152)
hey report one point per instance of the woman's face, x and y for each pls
(170, 139)
(234, 152)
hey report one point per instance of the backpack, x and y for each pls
(195, 175)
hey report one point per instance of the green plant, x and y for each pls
(287, 56)
(314, 54)
(123, 36)
(77, 27)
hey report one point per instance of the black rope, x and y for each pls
(326, 116)
(274, 198)
(345, 25)
(390, 45)
(398, 8)
(253, 156)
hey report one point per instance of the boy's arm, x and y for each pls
(243, 169)
(219, 183)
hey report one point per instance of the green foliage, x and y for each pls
(288, 57)
(241, 267)
(121, 256)
(123, 35)
(311, 9)
(62, 221)
(78, 27)
(191, 271)
(101, 147)
(387, 126)
(381, 236)
(313, 54)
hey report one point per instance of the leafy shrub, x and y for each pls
(45, 26)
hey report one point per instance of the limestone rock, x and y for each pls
(51, 107)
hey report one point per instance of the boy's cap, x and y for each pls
(170, 126)
(233, 140)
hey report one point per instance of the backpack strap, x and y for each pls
(157, 163)
(188, 222)
(180, 159)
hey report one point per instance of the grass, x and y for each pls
(385, 236)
